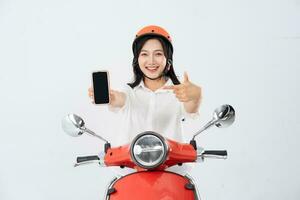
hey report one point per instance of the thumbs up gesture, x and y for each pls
(186, 91)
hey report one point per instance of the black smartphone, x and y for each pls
(101, 87)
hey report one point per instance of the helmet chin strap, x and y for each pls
(164, 72)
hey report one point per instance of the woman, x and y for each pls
(155, 100)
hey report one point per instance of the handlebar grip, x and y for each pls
(87, 158)
(222, 153)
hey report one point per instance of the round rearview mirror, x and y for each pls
(224, 116)
(72, 125)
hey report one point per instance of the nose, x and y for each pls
(151, 60)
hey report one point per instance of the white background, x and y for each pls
(245, 53)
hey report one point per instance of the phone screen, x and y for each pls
(100, 85)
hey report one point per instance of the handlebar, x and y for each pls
(83, 160)
(201, 154)
(87, 158)
(222, 154)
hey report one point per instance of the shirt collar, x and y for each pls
(142, 86)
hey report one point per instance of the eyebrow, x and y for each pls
(154, 50)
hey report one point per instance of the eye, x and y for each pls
(143, 54)
(159, 54)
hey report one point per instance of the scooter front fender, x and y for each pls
(150, 185)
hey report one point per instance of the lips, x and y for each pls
(152, 69)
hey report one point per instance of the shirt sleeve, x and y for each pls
(126, 90)
(188, 115)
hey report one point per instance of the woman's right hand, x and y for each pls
(91, 95)
(117, 99)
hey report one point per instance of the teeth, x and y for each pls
(152, 68)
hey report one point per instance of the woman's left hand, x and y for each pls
(186, 91)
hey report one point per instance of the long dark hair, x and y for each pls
(168, 52)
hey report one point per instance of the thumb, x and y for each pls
(185, 77)
(112, 92)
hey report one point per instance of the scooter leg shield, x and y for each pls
(152, 185)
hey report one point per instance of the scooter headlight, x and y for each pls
(149, 150)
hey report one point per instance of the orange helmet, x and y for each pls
(153, 30)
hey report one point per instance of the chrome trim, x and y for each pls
(109, 185)
(187, 176)
(163, 140)
(197, 195)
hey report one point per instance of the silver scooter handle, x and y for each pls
(219, 154)
(85, 160)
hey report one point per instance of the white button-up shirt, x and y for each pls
(145, 110)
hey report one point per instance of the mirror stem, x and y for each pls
(208, 125)
(93, 134)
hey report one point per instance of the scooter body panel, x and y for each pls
(152, 185)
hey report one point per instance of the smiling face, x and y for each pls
(152, 60)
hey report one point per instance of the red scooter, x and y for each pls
(150, 154)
